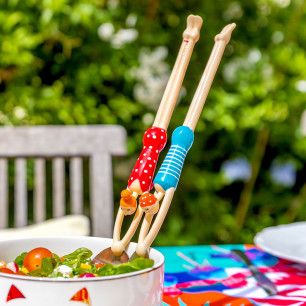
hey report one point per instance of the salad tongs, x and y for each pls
(154, 140)
(166, 180)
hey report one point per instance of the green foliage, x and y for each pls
(59, 66)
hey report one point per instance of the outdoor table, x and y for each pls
(212, 276)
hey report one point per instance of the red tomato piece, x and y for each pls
(99, 265)
(5, 270)
(33, 259)
(21, 273)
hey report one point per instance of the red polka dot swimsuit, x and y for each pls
(154, 140)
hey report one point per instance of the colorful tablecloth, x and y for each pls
(212, 276)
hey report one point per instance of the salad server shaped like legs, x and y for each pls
(168, 176)
(154, 141)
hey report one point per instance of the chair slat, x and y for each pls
(21, 207)
(101, 192)
(76, 185)
(3, 193)
(40, 190)
(58, 167)
(58, 142)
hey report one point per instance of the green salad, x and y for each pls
(41, 262)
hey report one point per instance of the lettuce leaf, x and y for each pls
(134, 265)
(142, 263)
(19, 259)
(80, 253)
(47, 266)
(74, 259)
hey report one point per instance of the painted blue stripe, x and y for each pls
(174, 171)
(176, 178)
(179, 147)
(173, 155)
(168, 162)
(176, 152)
(177, 155)
(169, 166)
(168, 159)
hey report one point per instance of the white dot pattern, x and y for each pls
(153, 142)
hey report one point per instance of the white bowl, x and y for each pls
(137, 288)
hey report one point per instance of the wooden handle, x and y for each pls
(118, 245)
(226, 33)
(146, 243)
(201, 93)
(145, 227)
(190, 37)
(194, 24)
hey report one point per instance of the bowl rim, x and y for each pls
(77, 280)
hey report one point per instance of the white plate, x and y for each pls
(285, 241)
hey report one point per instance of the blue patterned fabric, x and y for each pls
(213, 276)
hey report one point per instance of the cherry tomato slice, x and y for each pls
(21, 273)
(99, 265)
(6, 270)
(33, 259)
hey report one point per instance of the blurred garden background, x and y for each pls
(107, 62)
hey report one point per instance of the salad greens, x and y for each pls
(48, 265)
(19, 259)
(79, 256)
(74, 265)
(134, 265)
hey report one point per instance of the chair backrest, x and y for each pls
(98, 143)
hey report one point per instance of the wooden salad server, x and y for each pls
(167, 178)
(154, 140)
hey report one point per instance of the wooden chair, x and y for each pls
(61, 143)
